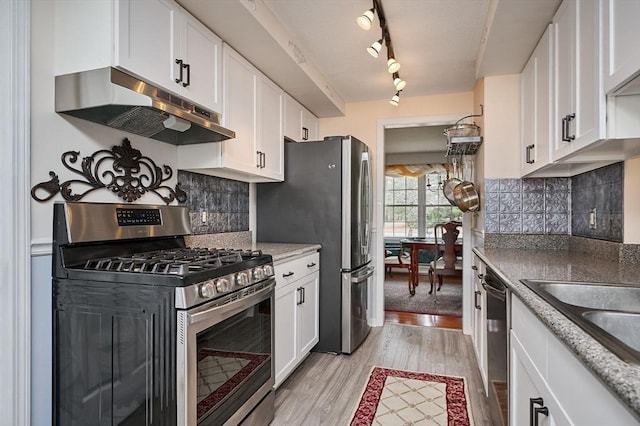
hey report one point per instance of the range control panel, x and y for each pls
(132, 217)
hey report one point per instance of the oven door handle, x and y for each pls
(214, 314)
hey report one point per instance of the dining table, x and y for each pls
(415, 245)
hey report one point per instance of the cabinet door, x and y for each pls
(621, 38)
(270, 134)
(308, 314)
(529, 391)
(286, 346)
(580, 102)
(145, 31)
(536, 118)
(565, 30)
(292, 119)
(201, 51)
(479, 321)
(309, 126)
(528, 116)
(240, 112)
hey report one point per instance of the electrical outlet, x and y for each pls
(592, 219)
(203, 216)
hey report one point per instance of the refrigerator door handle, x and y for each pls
(364, 204)
(363, 276)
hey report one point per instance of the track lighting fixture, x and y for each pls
(366, 19)
(395, 99)
(375, 48)
(398, 82)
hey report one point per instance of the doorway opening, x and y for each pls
(409, 206)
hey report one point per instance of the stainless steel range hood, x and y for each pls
(115, 99)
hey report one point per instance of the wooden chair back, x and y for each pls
(446, 235)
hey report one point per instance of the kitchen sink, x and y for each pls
(610, 313)
(593, 296)
(622, 325)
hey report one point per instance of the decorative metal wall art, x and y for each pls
(123, 170)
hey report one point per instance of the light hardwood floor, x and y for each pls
(325, 388)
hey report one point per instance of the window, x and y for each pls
(414, 205)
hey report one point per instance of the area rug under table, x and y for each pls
(447, 301)
(398, 397)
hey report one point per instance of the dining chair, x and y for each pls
(446, 261)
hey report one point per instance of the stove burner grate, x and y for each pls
(181, 261)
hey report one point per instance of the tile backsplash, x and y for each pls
(224, 201)
(557, 205)
(527, 206)
(600, 190)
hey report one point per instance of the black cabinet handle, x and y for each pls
(263, 160)
(535, 411)
(288, 274)
(179, 62)
(303, 294)
(305, 134)
(299, 291)
(564, 129)
(476, 294)
(259, 159)
(311, 265)
(480, 277)
(188, 67)
(529, 159)
(570, 118)
(474, 267)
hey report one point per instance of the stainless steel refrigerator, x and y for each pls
(326, 199)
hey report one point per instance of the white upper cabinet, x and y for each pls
(621, 34)
(299, 124)
(156, 40)
(536, 106)
(253, 107)
(579, 99)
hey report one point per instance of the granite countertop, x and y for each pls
(283, 251)
(513, 265)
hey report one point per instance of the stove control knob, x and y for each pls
(222, 285)
(207, 290)
(268, 270)
(258, 273)
(242, 278)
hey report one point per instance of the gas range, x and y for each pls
(144, 245)
(147, 331)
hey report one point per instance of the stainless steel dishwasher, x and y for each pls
(498, 324)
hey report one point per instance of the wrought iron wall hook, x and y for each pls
(130, 176)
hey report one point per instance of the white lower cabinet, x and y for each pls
(549, 385)
(296, 312)
(479, 336)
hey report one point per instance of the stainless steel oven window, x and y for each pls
(225, 358)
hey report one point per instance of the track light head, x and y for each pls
(393, 65)
(365, 20)
(398, 82)
(395, 99)
(375, 48)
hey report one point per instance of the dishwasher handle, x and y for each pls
(494, 286)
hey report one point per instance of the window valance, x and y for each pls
(414, 170)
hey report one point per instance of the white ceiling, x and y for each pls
(442, 45)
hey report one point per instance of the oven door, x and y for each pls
(225, 357)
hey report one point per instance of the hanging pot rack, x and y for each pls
(463, 138)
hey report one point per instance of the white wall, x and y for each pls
(631, 202)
